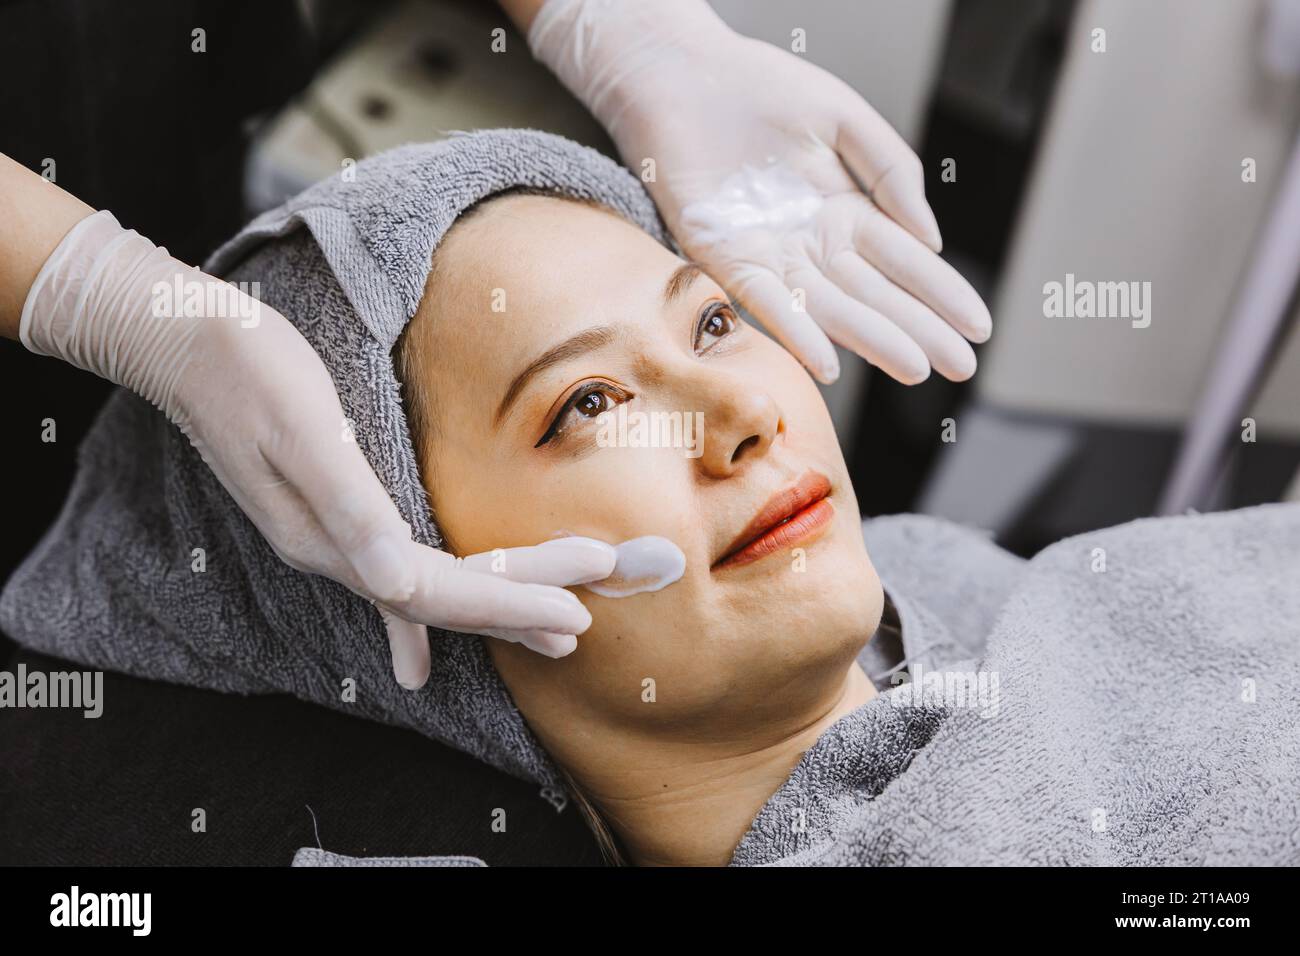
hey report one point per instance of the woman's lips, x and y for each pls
(792, 516)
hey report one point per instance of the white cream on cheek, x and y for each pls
(649, 563)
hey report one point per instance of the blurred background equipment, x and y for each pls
(409, 72)
(1160, 163)
(1264, 310)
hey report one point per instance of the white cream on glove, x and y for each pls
(760, 160)
(255, 400)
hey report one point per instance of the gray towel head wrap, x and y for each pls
(113, 583)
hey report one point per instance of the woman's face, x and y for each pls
(541, 314)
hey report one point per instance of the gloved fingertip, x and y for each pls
(826, 367)
(408, 642)
(590, 559)
(410, 674)
(961, 368)
(913, 374)
(553, 646)
(906, 204)
(413, 684)
(561, 612)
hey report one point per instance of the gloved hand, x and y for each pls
(255, 400)
(753, 148)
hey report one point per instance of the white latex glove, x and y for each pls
(753, 148)
(256, 401)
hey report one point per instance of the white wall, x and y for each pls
(1139, 178)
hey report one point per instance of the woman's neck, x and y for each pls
(684, 803)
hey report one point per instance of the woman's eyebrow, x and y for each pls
(587, 340)
(681, 279)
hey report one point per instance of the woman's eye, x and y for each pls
(718, 321)
(592, 404)
(587, 401)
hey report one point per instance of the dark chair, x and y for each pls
(121, 789)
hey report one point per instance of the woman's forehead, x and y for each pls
(531, 269)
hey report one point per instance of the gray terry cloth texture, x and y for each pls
(110, 585)
(1147, 713)
(312, 856)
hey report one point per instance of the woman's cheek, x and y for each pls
(618, 492)
(650, 649)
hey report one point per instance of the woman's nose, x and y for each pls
(741, 420)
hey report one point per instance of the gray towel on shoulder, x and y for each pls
(1140, 705)
(114, 582)
(312, 856)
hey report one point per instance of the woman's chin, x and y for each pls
(833, 602)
